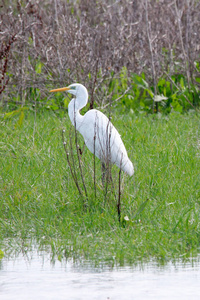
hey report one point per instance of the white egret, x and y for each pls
(100, 136)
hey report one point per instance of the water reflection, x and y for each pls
(34, 277)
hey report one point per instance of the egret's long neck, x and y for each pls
(74, 107)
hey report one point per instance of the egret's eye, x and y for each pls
(72, 87)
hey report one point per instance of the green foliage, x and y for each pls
(1, 254)
(134, 91)
(38, 67)
(16, 113)
(173, 93)
(160, 206)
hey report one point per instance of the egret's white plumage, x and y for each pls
(100, 136)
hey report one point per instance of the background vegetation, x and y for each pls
(102, 44)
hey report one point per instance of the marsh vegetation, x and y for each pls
(140, 63)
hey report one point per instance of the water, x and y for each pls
(36, 278)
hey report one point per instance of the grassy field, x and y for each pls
(161, 204)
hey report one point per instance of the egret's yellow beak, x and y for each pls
(60, 89)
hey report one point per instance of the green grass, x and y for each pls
(40, 203)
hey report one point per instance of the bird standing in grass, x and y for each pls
(100, 136)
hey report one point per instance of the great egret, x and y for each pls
(100, 136)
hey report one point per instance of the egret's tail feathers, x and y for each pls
(128, 168)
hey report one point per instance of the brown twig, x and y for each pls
(72, 169)
(148, 29)
(119, 198)
(4, 53)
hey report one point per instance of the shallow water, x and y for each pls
(36, 278)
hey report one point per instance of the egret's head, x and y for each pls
(75, 89)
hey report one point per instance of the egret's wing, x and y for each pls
(101, 137)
